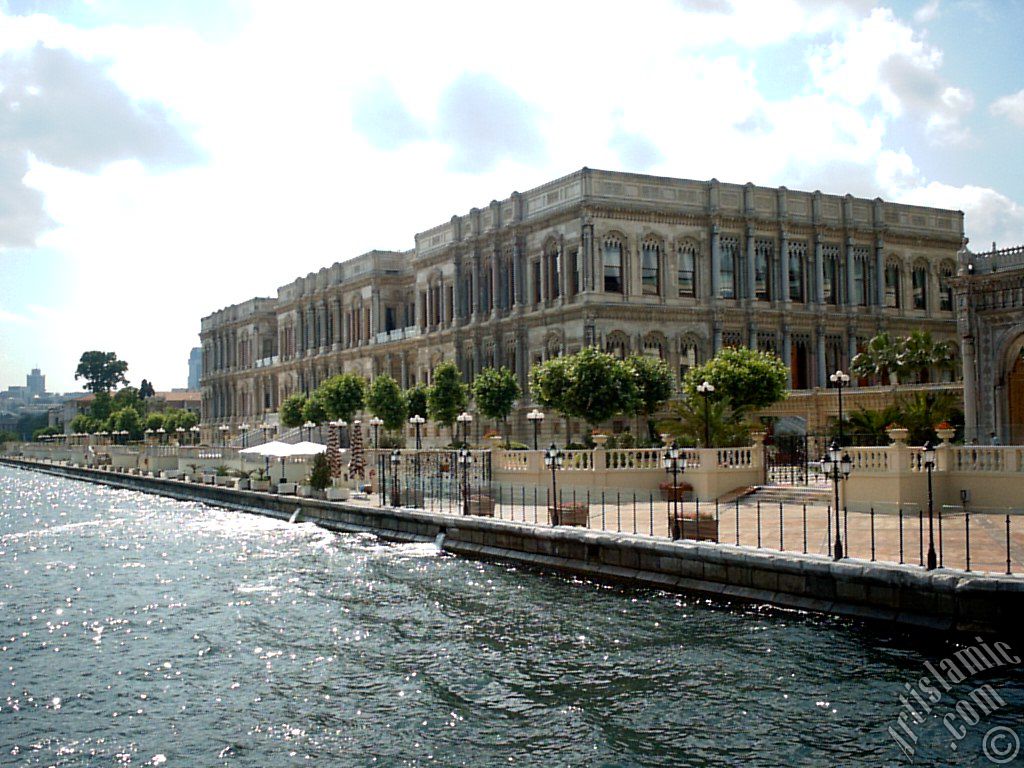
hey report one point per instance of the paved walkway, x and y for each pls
(803, 529)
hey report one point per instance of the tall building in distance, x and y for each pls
(35, 383)
(195, 368)
(633, 264)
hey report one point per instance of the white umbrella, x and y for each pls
(306, 448)
(274, 448)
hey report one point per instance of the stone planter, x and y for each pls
(259, 485)
(703, 528)
(241, 483)
(945, 435)
(569, 513)
(481, 505)
(599, 440)
(305, 491)
(406, 498)
(337, 494)
(898, 435)
(223, 480)
(681, 492)
(286, 488)
(209, 479)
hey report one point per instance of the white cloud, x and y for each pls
(1011, 107)
(928, 12)
(989, 215)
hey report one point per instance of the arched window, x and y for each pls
(612, 265)
(863, 276)
(727, 268)
(832, 283)
(554, 272)
(763, 263)
(893, 274)
(797, 260)
(920, 280)
(686, 275)
(946, 272)
(617, 343)
(688, 355)
(654, 345)
(650, 268)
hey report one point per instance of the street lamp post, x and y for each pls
(465, 419)
(266, 430)
(163, 435)
(839, 463)
(929, 465)
(244, 429)
(195, 430)
(376, 423)
(224, 429)
(396, 460)
(417, 421)
(553, 458)
(308, 426)
(535, 417)
(841, 380)
(149, 435)
(706, 389)
(465, 461)
(180, 431)
(672, 464)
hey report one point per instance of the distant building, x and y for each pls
(35, 383)
(195, 368)
(990, 314)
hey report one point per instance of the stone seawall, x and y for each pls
(941, 599)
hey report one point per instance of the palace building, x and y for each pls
(631, 263)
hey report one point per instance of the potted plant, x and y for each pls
(680, 492)
(223, 475)
(319, 476)
(685, 525)
(599, 438)
(481, 505)
(337, 490)
(945, 431)
(897, 433)
(241, 481)
(569, 513)
(258, 481)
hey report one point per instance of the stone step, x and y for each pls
(789, 494)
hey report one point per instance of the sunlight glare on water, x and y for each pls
(145, 631)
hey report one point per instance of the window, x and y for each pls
(727, 268)
(920, 279)
(830, 264)
(555, 274)
(535, 272)
(650, 261)
(892, 285)
(946, 287)
(612, 265)
(763, 270)
(797, 258)
(389, 319)
(685, 278)
(574, 266)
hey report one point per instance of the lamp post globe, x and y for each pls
(840, 380)
(706, 389)
(535, 417)
(464, 419)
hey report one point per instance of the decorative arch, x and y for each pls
(613, 256)
(947, 271)
(652, 248)
(655, 344)
(893, 281)
(1011, 376)
(617, 343)
(919, 272)
(553, 345)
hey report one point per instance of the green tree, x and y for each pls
(599, 386)
(291, 411)
(878, 360)
(745, 377)
(102, 406)
(654, 387)
(385, 401)
(155, 421)
(83, 423)
(495, 391)
(102, 371)
(448, 396)
(146, 389)
(549, 387)
(313, 410)
(320, 473)
(342, 396)
(126, 419)
(416, 401)
(6, 436)
(921, 411)
(728, 426)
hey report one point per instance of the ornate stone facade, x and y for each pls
(990, 318)
(632, 263)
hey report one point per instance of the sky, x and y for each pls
(162, 160)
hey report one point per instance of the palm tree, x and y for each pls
(878, 361)
(921, 411)
(728, 426)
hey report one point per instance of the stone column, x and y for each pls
(519, 273)
(819, 271)
(495, 282)
(715, 282)
(404, 383)
(716, 336)
(752, 335)
(820, 356)
(879, 272)
(563, 273)
(784, 268)
(322, 317)
(849, 272)
(376, 324)
(787, 354)
(750, 269)
(851, 352)
(418, 320)
(458, 299)
(970, 389)
(586, 256)
(475, 278)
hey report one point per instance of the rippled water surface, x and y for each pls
(137, 630)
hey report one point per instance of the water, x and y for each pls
(136, 630)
